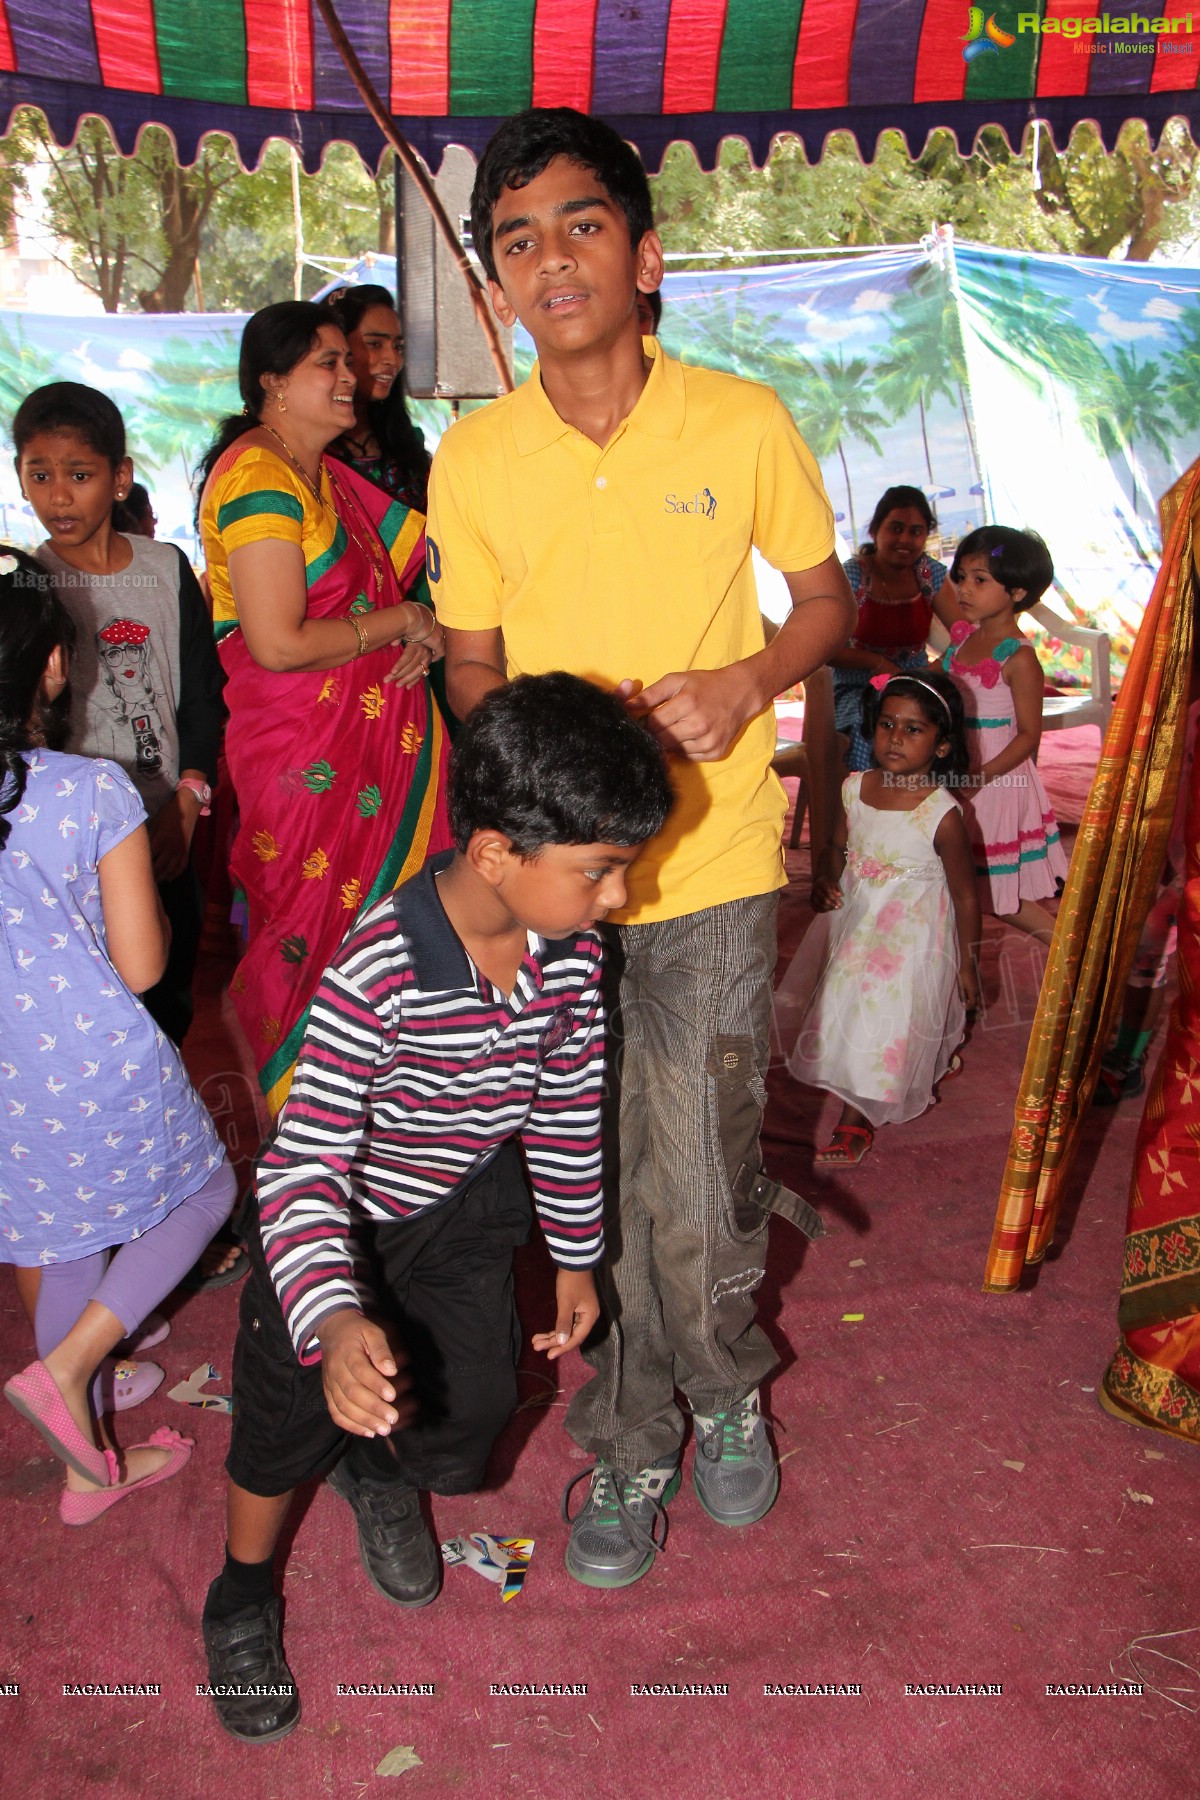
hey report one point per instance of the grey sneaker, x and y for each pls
(735, 1472)
(622, 1523)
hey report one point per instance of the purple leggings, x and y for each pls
(132, 1280)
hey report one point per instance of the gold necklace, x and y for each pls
(889, 594)
(372, 550)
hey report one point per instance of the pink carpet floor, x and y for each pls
(955, 1509)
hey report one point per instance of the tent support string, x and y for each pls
(420, 175)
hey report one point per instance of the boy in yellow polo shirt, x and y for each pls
(601, 520)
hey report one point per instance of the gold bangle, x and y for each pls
(410, 637)
(360, 632)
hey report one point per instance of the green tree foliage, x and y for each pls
(1079, 200)
(141, 232)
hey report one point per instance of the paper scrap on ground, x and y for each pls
(853, 1318)
(1140, 1499)
(502, 1560)
(1012, 1463)
(398, 1760)
(189, 1392)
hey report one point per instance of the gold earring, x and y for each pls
(280, 402)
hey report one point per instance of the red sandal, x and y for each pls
(847, 1147)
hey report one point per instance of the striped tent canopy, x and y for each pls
(660, 70)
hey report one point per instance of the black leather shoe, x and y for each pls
(397, 1552)
(250, 1684)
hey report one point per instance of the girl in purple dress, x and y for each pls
(112, 1178)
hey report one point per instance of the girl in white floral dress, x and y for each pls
(878, 990)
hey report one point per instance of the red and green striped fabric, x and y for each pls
(660, 69)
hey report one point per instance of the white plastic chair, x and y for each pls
(1060, 711)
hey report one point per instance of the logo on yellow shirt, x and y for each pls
(702, 505)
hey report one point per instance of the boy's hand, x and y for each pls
(696, 712)
(171, 831)
(365, 1391)
(578, 1310)
(826, 895)
(968, 984)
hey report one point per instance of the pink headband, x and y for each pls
(880, 682)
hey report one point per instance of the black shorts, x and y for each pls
(445, 1277)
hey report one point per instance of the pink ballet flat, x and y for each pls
(83, 1509)
(36, 1396)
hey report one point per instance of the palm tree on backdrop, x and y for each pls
(1031, 330)
(835, 401)
(1125, 405)
(926, 355)
(190, 383)
(720, 330)
(23, 366)
(1182, 370)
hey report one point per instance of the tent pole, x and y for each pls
(420, 174)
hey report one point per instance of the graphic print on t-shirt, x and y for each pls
(123, 654)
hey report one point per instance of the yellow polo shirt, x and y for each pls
(634, 560)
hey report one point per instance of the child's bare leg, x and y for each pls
(71, 1365)
(28, 1283)
(1142, 1008)
(254, 1522)
(1032, 919)
(847, 1151)
(74, 1360)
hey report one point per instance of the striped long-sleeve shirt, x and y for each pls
(414, 1071)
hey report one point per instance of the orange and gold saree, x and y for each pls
(1114, 870)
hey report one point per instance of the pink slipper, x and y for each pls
(129, 1383)
(36, 1396)
(82, 1509)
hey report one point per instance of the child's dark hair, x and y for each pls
(69, 406)
(394, 431)
(275, 339)
(128, 514)
(526, 144)
(939, 699)
(551, 759)
(896, 499)
(1016, 559)
(33, 624)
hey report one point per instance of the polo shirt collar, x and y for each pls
(435, 950)
(659, 411)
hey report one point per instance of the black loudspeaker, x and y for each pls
(446, 355)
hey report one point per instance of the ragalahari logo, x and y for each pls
(983, 37)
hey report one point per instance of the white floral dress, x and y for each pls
(872, 992)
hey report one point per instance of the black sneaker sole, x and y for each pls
(259, 1737)
(409, 1605)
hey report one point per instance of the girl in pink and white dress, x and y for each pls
(1019, 860)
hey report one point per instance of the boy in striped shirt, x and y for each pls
(461, 1018)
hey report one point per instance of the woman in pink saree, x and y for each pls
(335, 748)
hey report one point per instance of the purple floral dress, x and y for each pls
(101, 1132)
